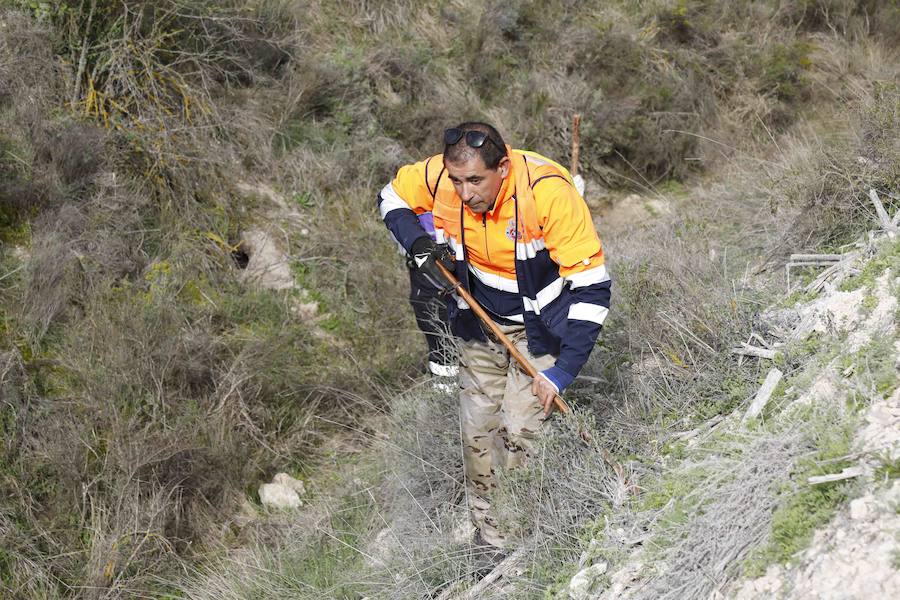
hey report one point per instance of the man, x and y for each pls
(525, 246)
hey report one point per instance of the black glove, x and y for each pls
(425, 255)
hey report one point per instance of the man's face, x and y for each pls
(475, 184)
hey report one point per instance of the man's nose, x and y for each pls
(467, 192)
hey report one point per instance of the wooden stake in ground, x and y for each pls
(576, 143)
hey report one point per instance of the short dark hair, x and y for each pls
(491, 152)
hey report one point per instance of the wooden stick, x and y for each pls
(476, 591)
(817, 257)
(451, 591)
(847, 473)
(764, 393)
(498, 333)
(879, 210)
(576, 143)
(82, 61)
(748, 350)
(526, 364)
(503, 568)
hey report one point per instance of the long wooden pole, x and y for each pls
(576, 143)
(526, 364)
(498, 333)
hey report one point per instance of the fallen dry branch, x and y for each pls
(838, 271)
(713, 544)
(477, 590)
(832, 261)
(502, 569)
(848, 473)
(816, 258)
(683, 436)
(748, 350)
(886, 223)
(764, 394)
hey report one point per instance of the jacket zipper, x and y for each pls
(484, 227)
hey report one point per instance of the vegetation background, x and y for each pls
(147, 386)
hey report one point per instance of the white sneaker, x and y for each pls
(443, 370)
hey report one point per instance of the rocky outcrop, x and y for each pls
(856, 556)
(267, 248)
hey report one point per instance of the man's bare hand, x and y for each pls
(545, 392)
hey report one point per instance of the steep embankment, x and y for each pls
(196, 292)
(740, 505)
(812, 461)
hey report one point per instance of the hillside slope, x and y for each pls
(741, 493)
(714, 503)
(196, 292)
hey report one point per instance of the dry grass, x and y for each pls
(159, 385)
(146, 387)
(710, 529)
(832, 185)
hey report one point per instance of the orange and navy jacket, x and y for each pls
(534, 258)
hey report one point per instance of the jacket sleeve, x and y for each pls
(405, 197)
(574, 245)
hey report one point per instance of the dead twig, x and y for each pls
(764, 394)
(886, 223)
(748, 350)
(847, 473)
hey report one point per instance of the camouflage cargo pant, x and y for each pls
(500, 419)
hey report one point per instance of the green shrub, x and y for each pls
(688, 22)
(833, 188)
(852, 19)
(162, 388)
(784, 68)
(794, 523)
(802, 508)
(140, 58)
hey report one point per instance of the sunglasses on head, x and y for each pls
(474, 139)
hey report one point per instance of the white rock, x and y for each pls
(463, 531)
(623, 580)
(276, 495)
(880, 415)
(379, 550)
(892, 496)
(859, 509)
(288, 481)
(582, 585)
(269, 265)
(589, 553)
(306, 311)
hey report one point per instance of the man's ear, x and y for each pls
(503, 166)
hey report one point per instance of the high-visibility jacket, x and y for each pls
(534, 258)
